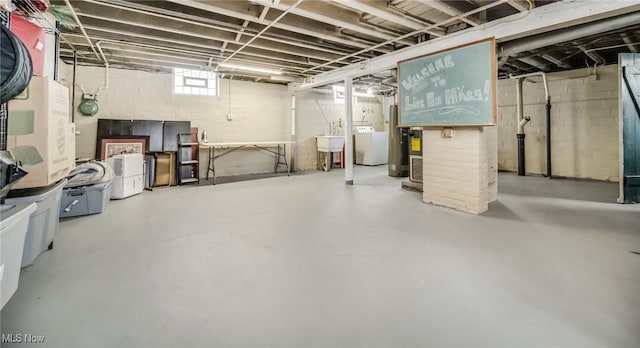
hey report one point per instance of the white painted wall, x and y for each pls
(315, 112)
(261, 112)
(584, 134)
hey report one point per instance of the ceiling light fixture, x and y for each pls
(249, 68)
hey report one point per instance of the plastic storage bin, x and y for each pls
(13, 229)
(43, 223)
(85, 200)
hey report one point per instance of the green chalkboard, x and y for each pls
(456, 87)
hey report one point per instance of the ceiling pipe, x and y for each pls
(208, 7)
(452, 19)
(541, 19)
(263, 46)
(407, 22)
(555, 61)
(106, 69)
(205, 55)
(293, 76)
(84, 32)
(544, 81)
(218, 25)
(418, 19)
(262, 31)
(536, 62)
(630, 44)
(569, 34)
(198, 21)
(192, 44)
(62, 38)
(594, 56)
(331, 20)
(202, 56)
(444, 8)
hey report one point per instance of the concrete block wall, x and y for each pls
(315, 110)
(584, 113)
(456, 169)
(261, 112)
(584, 125)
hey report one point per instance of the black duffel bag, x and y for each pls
(15, 66)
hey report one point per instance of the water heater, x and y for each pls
(398, 146)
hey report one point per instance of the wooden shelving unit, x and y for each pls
(188, 164)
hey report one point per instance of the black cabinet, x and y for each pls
(171, 129)
(108, 127)
(163, 135)
(173, 137)
(152, 129)
(111, 129)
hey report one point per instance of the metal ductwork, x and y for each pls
(513, 48)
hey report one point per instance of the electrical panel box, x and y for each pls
(415, 142)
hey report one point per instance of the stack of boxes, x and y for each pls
(40, 134)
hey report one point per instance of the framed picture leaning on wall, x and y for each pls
(111, 146)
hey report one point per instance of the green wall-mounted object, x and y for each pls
(88, 106)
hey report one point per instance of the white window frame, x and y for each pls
(195, 82)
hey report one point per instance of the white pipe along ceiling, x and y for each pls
(308, 43)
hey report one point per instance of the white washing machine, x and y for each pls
(371, 147)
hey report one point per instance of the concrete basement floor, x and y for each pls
(306, 261)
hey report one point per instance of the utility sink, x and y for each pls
(330, 143)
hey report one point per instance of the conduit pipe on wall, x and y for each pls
(106, 73)
(93, 48)
(73, 83)
(522, 120)
(84, 32)
(106, 69)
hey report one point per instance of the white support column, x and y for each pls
(492, 162)
(292, 152)
(348, 138)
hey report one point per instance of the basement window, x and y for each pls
(194, 82)
(338, 94)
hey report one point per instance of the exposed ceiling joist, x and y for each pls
(539, 20)
(518, 5)
(452, 19)
(300, 28)
(555, 61)
(451, 11)
(317, 11)
(328, 40)
(370, 7)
